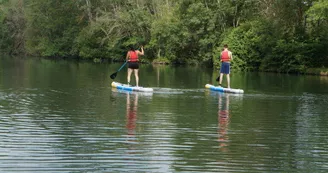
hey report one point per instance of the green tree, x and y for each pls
(317, 18)
(12, 26)
(52, 27)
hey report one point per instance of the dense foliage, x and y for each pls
(266, 35)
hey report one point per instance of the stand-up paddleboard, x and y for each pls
(142, 94)
(130, 88)
(221, 89)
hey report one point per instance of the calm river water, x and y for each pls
(61, 116)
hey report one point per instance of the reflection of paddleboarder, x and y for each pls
(223, 119)
(131, 114)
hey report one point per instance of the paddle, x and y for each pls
(113, 76)
(218, 78)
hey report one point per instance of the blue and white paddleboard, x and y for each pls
(130, 88)
(221, 89)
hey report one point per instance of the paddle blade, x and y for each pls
(218, 78)
(113, 76)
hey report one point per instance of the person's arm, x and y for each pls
(221, 57)
(127, 56)
(142, 51)
(230, 54)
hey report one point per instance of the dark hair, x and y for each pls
(131, 48)
(225, 46)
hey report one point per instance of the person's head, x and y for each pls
(131, 48)
(225, 46)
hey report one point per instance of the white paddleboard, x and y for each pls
(221, 89)
(131, 88)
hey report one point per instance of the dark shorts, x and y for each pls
(225, 68)
(133, 65)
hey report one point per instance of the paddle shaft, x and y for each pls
(122, 66)
(113, 76)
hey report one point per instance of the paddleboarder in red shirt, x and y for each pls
(133, 63)
(226, 57)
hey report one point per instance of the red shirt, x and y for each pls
(225, 56)
(133, 56)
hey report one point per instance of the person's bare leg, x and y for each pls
(129, 75)
(221, 76)
(228, 80)
(137, 76)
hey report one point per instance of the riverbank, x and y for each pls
(317, 71)
(310, 71)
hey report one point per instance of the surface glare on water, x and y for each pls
(60, 116)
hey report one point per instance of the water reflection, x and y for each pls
(131, 113)
(223, 120)
(77, 124)
(324, 80)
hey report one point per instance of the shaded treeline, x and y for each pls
(266, 35)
